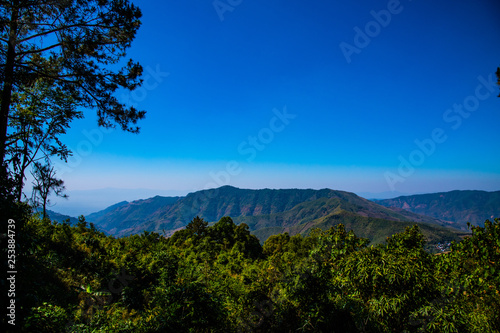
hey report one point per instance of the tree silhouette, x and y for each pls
(498, 77)
(198, 226)
(40, 116)
(70, 45)
(44, 183)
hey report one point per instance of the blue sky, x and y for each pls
(306, 94)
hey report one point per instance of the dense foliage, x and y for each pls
(220, 279)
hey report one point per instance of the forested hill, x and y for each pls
(260, 209)
(458, 207)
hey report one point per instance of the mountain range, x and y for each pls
(270, 211)
(456, 207)
(259, 208)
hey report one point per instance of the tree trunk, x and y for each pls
(8, 80)
(22, 170)
(45, 206)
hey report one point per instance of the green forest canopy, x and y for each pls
(220, 279)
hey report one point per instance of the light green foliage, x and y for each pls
(389, 281)
(473, 270)
(47, 318)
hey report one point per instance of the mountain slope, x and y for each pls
(458, 207)
(61, 218)
(103, 212)
(258, 208)
(126, 215)
(375, 229)
(314, 209)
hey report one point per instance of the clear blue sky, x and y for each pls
(306, 94)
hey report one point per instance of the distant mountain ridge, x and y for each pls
(265, 211)
(457, 207)
(132, 216)
(60, 218)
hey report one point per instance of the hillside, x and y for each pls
(124, 216)
(457, 207)
(61, 218)
(265, 211)
(375, 229)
